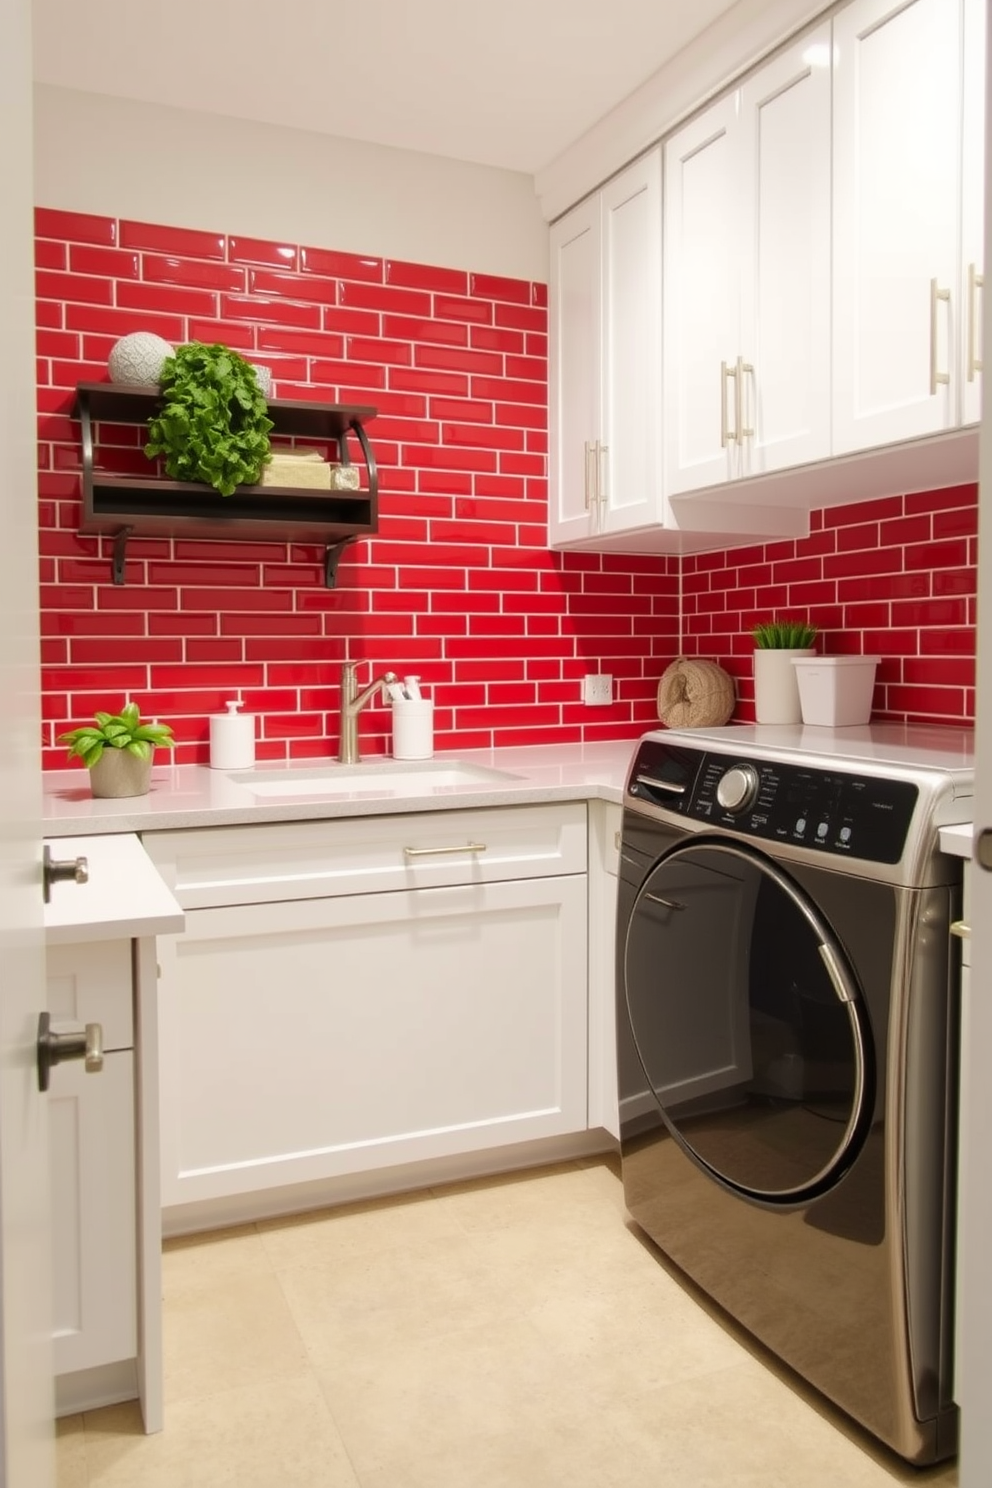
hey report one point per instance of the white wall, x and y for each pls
(150, 163)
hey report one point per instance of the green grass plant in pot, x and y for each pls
(213, 424)
(776, 687)
(118, 749)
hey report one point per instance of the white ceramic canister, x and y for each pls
(232, 738)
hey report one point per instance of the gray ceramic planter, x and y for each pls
(118, 773)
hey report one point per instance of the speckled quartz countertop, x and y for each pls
(197, 796)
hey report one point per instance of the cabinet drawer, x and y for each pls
(91, 983)
(217, 866)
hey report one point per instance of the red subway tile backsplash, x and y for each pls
(459, 584)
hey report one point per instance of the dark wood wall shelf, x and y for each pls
(124, 506)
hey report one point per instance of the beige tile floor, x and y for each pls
(506, 1333)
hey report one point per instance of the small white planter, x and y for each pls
(118, 773)
(776, 690)
(836, 691)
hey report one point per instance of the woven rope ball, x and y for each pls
(695, 694)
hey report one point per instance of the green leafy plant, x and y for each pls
(123, 730)
(784, 635)
(213, 423)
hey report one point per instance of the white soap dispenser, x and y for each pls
(232, 738)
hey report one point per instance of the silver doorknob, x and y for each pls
(53, 1048)
(65, 870)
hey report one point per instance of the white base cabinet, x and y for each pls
(104, 1164)
(327, 1032)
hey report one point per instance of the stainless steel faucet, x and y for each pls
(352, 703)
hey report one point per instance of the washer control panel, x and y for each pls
(834, 811)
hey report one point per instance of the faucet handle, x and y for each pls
(390, 687)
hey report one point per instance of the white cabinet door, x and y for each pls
(702, 299)
(310, 1039)
(784, 241)
(574, 352)
(93, 1165)
(93, 1214)
(605, 359)
(973, 211)
(629, 472)
(897, 204)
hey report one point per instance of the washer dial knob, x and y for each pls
(738, 788)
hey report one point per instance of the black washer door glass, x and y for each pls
(748, 1023)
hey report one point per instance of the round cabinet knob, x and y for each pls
(737, 788)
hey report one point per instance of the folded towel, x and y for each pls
(309, 474)
(281, 453)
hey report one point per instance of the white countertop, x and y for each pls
(197, 796)
(956, 841)
(124, 896)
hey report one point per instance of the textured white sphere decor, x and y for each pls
(136, 360)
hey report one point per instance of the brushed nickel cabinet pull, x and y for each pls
(743, 431)
(588, 454)
(976, 282)
(602, 472)
(935, 376)
(961, 929)
(727, 435)
(429, 852)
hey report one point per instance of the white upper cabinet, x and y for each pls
(702, 299)
(574, 370)
(785, 259)
(747, 283)
(605, 359)
(972, 213)
(897, 220)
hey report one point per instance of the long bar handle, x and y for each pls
(588, 452)
(430, 852)
(743, 431)
(976, 282)
(935, 376)
(728, 436)
(602, 472)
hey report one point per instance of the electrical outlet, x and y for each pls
(597, 689)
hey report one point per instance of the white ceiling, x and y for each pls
(507, 85)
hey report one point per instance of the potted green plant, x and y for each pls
(212, 425)
(117, 750)
(776, 689)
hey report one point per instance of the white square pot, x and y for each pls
(836, 691)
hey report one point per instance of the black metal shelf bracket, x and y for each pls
(332, 557)
(120, 554)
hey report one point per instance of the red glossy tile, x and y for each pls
(521, 318)
(441, 458)
(451, 307)
(494, 287)
(351, 322)
(303, 287)
(270, 311)
(228, 332)
(261, 251)
(412, 328)
(384, 299)
(74, 288)
(488, 338)
(48, 314)
(164, 299)
(424, 276)
(958, 522)
(109, 263)
(377, 349)
(119, 323)
(360, 375)
(341, 265)
(50, 255)
(303, 343)
(77, 227)
(523, 416)
(182, 241)
(57, 344)
(504, 390)
(418, 381)
(485, 436)
(939, 555)
(454, 359)
(192, 273)
(533, 369)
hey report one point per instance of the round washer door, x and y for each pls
(749, 1023)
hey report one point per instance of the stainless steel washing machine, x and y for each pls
(787, 1049)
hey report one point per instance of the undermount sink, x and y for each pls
(377, 778)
